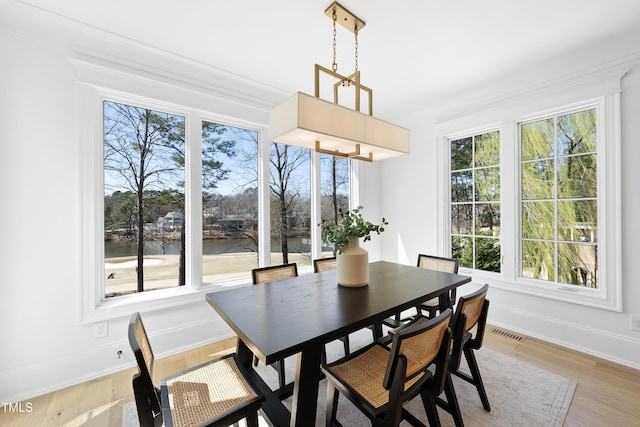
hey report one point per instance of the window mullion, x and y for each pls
(316, 194)
(555, 201)
(264, 196)
(193, 199)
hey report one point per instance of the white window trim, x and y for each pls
(97, 80)
(445, 245)
(601, 87)
(92, 90)
(95, 306)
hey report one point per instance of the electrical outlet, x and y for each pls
(635, 323)
(100, 329)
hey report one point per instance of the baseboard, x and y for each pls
(54, 373)
(599, 343)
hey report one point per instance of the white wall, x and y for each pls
(45, 345)
(410, 198)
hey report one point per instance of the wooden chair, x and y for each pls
(379, 380)
(448, 265)
(468, 323)
(324, 264)
(216, 393)
(272, 274)
(471, 311)
(429, 262)
(327, 264)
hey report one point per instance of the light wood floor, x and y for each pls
(607, 394)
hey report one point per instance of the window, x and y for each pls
(559, 191)
(475, 201)
(145, 225)
(184, 184)
(334, 181)
(290, 204)
(144, 221)
(146, 163)
(530, 191)
(229, 202)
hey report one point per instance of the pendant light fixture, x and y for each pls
(328, 127)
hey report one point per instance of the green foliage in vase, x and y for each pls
(352, 224)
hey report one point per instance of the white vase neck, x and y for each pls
(354, 241)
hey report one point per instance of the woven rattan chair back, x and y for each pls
(447, 265)
(419, 344)
(379, 380)
(274, 273)
(147, 396)
(471, 306)
(324, 264)
(469, 322)
(140, 341)
(430, 262)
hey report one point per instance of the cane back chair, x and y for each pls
(215, 393)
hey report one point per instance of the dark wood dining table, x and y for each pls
(298, 316)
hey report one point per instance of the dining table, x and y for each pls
(298, 316)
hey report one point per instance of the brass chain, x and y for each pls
(355, 31)
(334, 66)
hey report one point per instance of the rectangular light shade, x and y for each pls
(304, 119)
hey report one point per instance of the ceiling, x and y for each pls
(412, 53)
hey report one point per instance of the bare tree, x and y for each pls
(140, 151)
(285, 160)
(337, 179)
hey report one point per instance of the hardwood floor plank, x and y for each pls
(607, 393)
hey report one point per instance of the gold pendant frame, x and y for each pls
(353, 24)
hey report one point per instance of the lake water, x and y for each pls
(209, 247)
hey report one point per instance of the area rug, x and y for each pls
(520, 394)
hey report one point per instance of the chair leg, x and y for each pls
(452, 401)
(279, 365)
(477, 379)
(252, 420)
(429, 402)
(345, 343)
(146, 416)
(332, 404)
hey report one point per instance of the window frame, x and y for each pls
(598, 106)
(474, 202)
(97, 83)
(602, 89)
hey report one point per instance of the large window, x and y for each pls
(334, 182)
(290, 186)
(144, 222)
(229, 202)
(475, 201)
(559, 191)
(535, 206)
(182, 200)
(183, 193)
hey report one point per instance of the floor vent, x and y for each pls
(507, 334)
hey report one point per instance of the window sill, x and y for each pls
(565, 293)
(123, 306)
(161, 299)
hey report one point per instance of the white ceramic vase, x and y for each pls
(353, 264)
